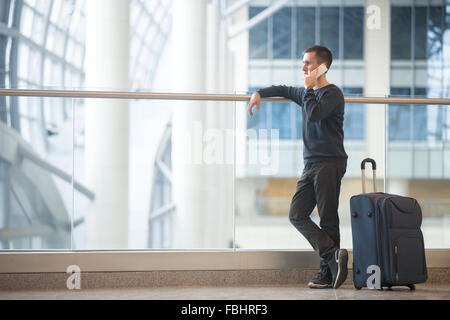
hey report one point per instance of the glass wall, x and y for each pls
(137, 202)
(418, 68)
(275, 58)
(221, 166)
(419, 165)
(36, 186)
(51, 49)
(42, 46)
(266, 183)
(128, 192)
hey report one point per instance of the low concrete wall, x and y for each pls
(94, 280)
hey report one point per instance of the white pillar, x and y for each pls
(239, 47)
(189, 188)
(212, 46)
(219, 173)
(107, 127)
(377, 59)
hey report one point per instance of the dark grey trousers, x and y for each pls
(320, 185)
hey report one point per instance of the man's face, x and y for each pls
(309, 63)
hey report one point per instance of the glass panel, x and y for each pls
(51, 38)
(23, 56)
(42, 6)
(354, 128)
(418, 166)
(34, 67)
(38, 29)
(353, 32)
(26, 21)
(329, 29)
(269, 165)
(400, 33)
(281, 115)
(306, 30)
(79, 55)
(420, 32)
(160, 172)
(59, 43)
(282, 33)
(56, 11)
(258, 36)
(35, 177)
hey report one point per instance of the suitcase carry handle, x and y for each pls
(363, 173)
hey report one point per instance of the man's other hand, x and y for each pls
(255, 99)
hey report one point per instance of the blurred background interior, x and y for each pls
(86, 173)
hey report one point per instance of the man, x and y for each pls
(325, 163)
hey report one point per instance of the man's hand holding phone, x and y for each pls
(311, 78)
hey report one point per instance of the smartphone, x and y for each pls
(321, 70)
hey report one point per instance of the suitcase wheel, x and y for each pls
(358, 288)
(412, 287)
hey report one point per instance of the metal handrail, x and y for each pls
(199, 96)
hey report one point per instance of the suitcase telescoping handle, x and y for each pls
(363, 173)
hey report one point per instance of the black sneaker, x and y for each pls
(322, 279)
(338, 267)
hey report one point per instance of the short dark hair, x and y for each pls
(323, 54)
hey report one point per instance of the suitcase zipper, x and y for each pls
(396, 262)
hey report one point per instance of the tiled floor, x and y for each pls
(288, 292)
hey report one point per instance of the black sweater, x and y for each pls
(323, 120)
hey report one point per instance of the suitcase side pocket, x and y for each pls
(405, 213)
(409, 257)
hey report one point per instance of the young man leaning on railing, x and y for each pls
(325, 163)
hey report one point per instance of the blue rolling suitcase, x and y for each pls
(386, 238)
